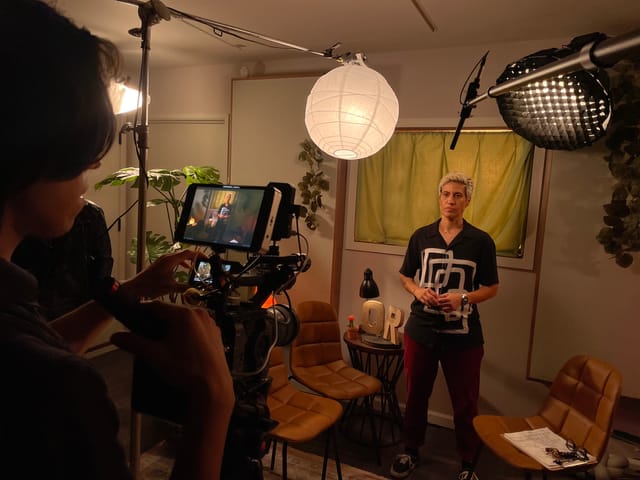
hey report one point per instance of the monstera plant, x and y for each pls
(621, 235)
(166, 183)
(313, 183)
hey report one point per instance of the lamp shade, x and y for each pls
(351, 111)
(369, 288)
(564, 112)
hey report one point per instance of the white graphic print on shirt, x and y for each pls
(445, 274)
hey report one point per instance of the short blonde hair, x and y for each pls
(457, 177)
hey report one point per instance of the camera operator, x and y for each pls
(56, 418)
(70, 267)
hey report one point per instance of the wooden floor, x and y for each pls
(439, 460)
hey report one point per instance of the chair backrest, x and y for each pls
(318, 341)
(582, 402)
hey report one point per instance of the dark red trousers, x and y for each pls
(461, 370)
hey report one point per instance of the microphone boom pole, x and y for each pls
(602, 54)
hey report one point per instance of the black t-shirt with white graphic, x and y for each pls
(462, 266)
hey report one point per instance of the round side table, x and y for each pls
(385, 363)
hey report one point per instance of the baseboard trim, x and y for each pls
(433, 417)
(440, 419)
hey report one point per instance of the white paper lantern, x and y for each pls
(351, 111)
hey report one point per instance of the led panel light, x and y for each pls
(565, 112)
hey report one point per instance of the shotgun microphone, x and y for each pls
(472, 92)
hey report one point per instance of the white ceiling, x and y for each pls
(360, 25)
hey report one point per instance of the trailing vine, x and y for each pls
(313, 183)
(621, 236)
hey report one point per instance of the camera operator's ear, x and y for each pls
(286, 323)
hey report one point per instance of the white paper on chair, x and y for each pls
(534, 442)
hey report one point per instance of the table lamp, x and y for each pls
(372, 318)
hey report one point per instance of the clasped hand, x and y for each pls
(447, 302)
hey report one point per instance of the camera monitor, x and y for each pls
(282, 227)
(229, 216)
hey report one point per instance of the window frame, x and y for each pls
(525, 262)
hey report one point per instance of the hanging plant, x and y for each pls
(621, 236)
(313, 183)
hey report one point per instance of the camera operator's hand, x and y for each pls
(158, 279)
(191, 357)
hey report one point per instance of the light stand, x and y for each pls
(150, 13)
(149, 16)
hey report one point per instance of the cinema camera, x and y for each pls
(251, 220)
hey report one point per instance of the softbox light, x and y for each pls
(564, 112)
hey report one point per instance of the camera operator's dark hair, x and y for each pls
(57, 115)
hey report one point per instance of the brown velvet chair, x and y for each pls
(316, 362)
(301, 416)
(580, 406)
(316, 356)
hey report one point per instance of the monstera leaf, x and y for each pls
(166, 184)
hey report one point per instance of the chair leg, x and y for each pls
(370, 413)
(332, 432)
(326, 455)
(284, 460)
(331, 436)
(274, 449)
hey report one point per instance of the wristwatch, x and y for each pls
(464, 301)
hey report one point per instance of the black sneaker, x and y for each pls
(403, 465)
(466, 474)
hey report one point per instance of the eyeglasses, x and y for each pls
(573, 453)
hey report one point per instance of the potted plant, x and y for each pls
(353, 332)
(621, 235)
(165, 183)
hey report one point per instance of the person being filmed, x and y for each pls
(57, 420)
(449, 268)
(224, 213)
(69, 268)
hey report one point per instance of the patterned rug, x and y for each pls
(156, 464)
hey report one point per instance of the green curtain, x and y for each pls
(397, 188)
